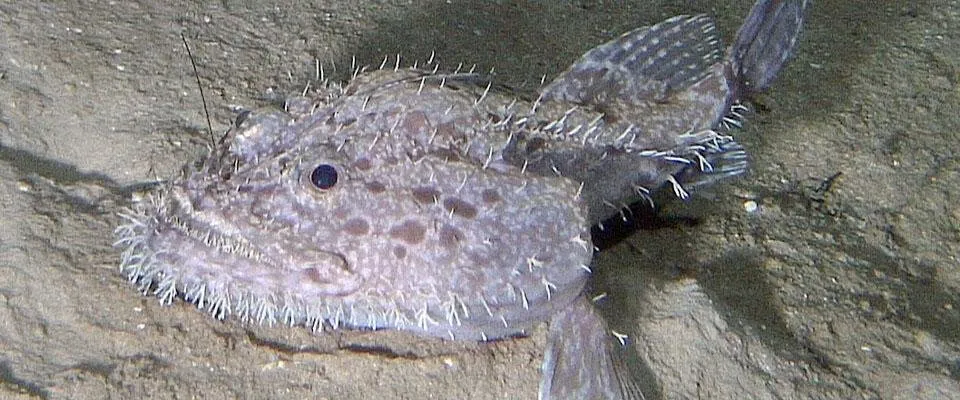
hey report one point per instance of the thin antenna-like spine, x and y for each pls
(203, 99)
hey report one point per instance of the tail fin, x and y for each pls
(766, 40)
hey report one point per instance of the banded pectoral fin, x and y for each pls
(584, 360)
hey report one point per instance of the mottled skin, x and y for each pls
(414, 235)
(439, 204)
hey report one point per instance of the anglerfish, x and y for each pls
(441, 204)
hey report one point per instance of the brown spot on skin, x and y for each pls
(426, 194)
(356, 226)
(447, 154)
(490, 196)
(447, 129)
(411, 232)
(363, 164)
(450, 237)
(414, 123)
(376, 187)
(460, 207)
(609, 116)
(536, 144)
(399, 252)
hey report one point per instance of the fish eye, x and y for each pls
(324, 176)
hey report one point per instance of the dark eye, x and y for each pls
(324, 176)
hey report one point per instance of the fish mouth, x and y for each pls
(170, 249)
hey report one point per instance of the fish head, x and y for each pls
(322, 218)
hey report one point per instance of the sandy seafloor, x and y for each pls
(840, 291)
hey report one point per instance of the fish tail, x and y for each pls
(766, 41)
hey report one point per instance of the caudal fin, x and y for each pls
(766, 41)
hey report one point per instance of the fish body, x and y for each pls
(438, 204)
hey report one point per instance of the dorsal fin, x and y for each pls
(643, 65)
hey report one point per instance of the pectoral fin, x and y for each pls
(583, 360)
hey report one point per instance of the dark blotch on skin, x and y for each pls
(341, 213)
(536, 144)
(376, 187)
(447, 155)
(356, 226)
(363, 164)
(415, 122)
(460, 207)
(490, 196)
(450, 237)
(411, 232)
(399, 252)
(426, 194)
